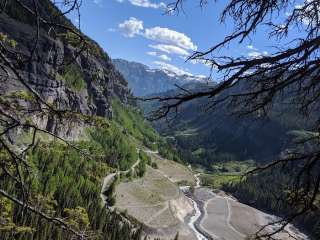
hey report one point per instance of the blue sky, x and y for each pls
(138, 30)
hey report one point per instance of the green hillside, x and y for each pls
(206, 137)
(65, 180)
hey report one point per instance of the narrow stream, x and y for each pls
(290, 229)
(197, 214)
(193, 220)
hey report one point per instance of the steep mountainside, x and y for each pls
(205, 137)
(83, 82)
(145, 81)
(62, 178)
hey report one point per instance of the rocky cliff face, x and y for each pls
(82, 82)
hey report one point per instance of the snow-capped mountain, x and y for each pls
(145, 81)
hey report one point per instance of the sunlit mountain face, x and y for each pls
(144, 81)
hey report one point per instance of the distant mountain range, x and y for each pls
(145, 81)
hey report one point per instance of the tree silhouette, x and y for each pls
(254, 85)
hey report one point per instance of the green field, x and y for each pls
(225, 173)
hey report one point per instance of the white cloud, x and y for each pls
(147, 4)
(202, 76)
(131, 27)
(164, 57)
(171, 68)
(152, 54)
(98, 2)
(168, 36)
(170, 41)
(251, 47)
(170, 49)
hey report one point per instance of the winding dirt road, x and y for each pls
(107, 181)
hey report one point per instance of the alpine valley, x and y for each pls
(96, 168)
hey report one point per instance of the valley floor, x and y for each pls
(159, 201)
(226, 218)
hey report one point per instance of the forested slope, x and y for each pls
(65, 182)
(61, 129)
(205, 136)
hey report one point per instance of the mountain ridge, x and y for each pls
(144, 80)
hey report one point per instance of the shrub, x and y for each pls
(73, 77)
(82, 43)
(154, 165)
